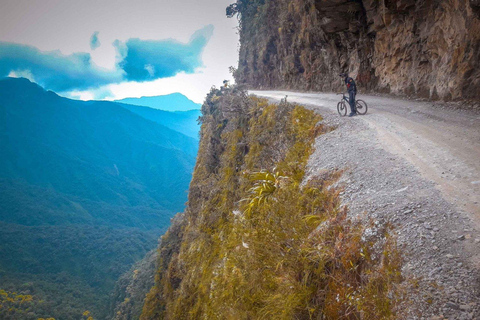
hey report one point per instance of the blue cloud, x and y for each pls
(94, 42)
(53, 70)
(140, 60)
(145, 60)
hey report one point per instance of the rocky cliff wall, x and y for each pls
(425, 48)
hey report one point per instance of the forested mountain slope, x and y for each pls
(85, 190)
(185, 122)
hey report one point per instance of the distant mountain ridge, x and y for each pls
(93, 137)
(171, 102)
(185, 122)
(86, 188)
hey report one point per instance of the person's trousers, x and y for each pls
(351, 101)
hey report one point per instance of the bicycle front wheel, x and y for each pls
(361, 107)
(342, 109)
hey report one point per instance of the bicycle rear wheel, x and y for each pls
(342, 109)
(361, 107)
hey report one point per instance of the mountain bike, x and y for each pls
(359, 104)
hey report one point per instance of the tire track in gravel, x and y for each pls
(443, 144)
(418, 166)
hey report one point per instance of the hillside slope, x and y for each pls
(85, 190)
(94, 151)
(428, 49)
(185, 122)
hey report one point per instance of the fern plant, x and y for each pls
(265, 185)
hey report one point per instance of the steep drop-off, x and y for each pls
(425, 48)
(131, 288)
(256, 240)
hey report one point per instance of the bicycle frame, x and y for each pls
(344, 97)
(361, 105)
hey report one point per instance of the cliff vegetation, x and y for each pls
(257, 241)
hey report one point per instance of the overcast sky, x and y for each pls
(112, 49)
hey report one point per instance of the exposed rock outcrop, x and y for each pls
(425, 48)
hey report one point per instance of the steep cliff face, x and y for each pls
(131, 288)
(256, 241)
(424, 48)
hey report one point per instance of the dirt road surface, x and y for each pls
(417, 165)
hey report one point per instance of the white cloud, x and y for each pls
(150, 69)
(22, 74)
(73, 22)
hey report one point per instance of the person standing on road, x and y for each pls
(352, 92)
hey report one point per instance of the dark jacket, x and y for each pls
(351, 85)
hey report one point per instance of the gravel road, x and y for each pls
(417, 165)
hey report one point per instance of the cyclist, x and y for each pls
(352, 92)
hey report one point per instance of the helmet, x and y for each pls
(343, 75)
